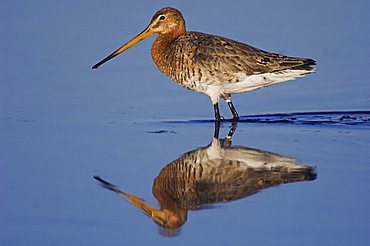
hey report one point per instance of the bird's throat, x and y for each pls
(162, 51)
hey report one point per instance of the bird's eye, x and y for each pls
(162, 17)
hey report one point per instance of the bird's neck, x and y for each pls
(162, 50)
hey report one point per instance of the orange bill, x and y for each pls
(143, 35)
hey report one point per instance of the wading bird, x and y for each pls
(213, 65)
(217, 173)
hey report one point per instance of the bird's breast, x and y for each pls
(176, 61)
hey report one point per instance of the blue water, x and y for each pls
(334, 118)
(62, 123)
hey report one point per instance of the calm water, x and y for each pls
(62, 123)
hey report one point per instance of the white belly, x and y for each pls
(216, 89)
(254, 82)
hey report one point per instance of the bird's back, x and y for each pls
(198, 179)
(197, 60)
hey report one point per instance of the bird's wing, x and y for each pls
(228, 57)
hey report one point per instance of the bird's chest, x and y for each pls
(177, 62)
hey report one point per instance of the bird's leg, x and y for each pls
(227, 98)
(233, 110)
(217, 130)
(227, 141)
(217, 112)
(217, 120)
(232, 130)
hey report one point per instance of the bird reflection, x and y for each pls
(217, 173)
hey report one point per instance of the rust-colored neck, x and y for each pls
(162, 50)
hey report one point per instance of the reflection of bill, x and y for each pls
(216, 173)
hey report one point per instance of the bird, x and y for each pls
(214, 174)
(210, 64)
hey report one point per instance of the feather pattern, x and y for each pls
(213, 65)
(206, 63)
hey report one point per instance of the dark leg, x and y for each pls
(233, 110)
(227, 98)
(232, 129)
(217, 120)
(226, 142)
(217, 112)
(217, 129)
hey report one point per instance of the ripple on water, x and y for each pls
(330, 118)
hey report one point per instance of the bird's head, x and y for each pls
(165, 21)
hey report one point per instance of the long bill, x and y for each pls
(143, 35)
(132, 199)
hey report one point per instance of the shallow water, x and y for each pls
(335, 118)
(62, 123)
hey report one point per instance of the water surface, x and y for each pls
(62, 123)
